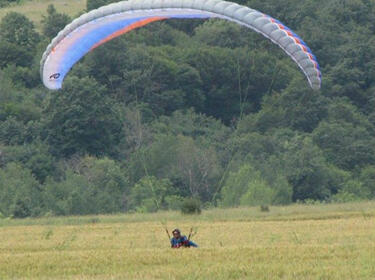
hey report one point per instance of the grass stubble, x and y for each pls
(287, 243)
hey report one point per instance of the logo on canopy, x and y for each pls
(54, 76)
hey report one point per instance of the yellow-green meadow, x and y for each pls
(35, 9)
(294, 242)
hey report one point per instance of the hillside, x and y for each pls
(35, 9)
(187, 114)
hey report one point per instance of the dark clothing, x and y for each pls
(182, 242)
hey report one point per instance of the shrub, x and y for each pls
(20, 192)
(4, 3)
(173, 202)
(344, 196)
(148, 194)
(191, 206)
(258, 193)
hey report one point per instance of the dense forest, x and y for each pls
(184, 111)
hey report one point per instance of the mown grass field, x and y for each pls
(35, 9)
(294, 242)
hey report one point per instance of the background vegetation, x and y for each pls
(189, 109)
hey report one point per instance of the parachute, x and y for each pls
(98, 26)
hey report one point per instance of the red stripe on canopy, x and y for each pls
(127, 29)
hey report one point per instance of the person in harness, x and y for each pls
(179, 240)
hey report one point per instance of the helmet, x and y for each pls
(176, 230)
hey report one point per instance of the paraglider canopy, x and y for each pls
(99, 26)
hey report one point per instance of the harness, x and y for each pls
(184, 243)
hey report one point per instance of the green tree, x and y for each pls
(82, 119)
(34, 156)
(94, 4)
(309, 173)
(89, 186)
(246, 187)
(297, 107)
(4, 3)
(54, 22)
(194, 170)
(146, 75)
(17, 29)
(149, 193)
(234, 81)
(345, 145)
(20, 192)
(11, 53)
(258, 193)
(367, 177)
(68, 196)
(6, 87)
(12, 132)
(221, 33)
(25, 72)
(352, 190)
(108, 182)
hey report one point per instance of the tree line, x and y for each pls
(181, 109)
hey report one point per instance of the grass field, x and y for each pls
(35, 9)
(294, 242)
